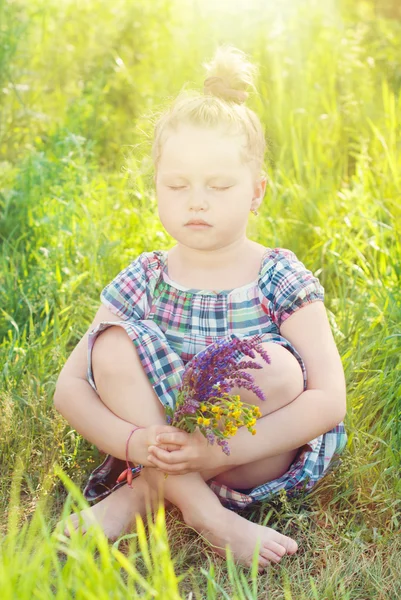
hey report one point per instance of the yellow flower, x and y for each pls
(200, 420)
(215, 409)
(206, 421)
(253, 431)
(203, 408)
(236, 414)
(252, 422)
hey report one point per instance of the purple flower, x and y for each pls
(224, 445)
(217, 364)
(209, 378)
(210, 436)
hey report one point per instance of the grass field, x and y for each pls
(80, 85)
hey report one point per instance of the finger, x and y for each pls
(180, 438)
(168, 467)
(169, 447)
(161, 429)
(179, 469)
(169, 458)
(158, 465)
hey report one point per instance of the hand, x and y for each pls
(194, 453)
(145, 437)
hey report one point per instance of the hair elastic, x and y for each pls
(127, 474)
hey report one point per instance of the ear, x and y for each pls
(259, 191)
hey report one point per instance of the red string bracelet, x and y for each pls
(127, 474)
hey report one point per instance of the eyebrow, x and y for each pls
(212, 176)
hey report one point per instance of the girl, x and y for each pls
(168, 305)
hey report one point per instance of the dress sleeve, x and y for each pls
(287, 285)
(127, 295)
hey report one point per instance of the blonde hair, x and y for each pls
(221, 103)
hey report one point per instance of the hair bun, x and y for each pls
(229, 74)
(218, 86)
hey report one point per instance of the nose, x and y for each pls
(197, 199)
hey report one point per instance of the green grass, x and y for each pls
(79, 88)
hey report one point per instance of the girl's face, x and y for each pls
(201, 175)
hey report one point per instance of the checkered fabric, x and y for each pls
(169, 324)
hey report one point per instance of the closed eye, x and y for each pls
(182, 187)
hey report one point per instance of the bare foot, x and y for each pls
(115, 513)
(227, 527)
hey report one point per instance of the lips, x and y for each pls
(197, 222)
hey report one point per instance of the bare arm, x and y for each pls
(314, 412)
(79, 404)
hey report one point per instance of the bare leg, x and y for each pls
(121, 382)
(125, 389)
(282, 382)
(116, 513)
(203, 511)
(119, 377)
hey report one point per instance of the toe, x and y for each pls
(271, 556)
(71, 521)
(275, 549)
(292, 546)
(74, 522)
(288, 544)
(263, 564)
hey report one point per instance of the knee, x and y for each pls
(284, 372)
(112, 352)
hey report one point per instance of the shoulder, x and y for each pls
(129, 294)
(154, 259)
(145, 266)
(280, 264)
(286, 284)
(278, 257)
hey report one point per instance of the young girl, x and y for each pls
(168, 305)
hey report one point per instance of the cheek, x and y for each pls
(163, 212)
(168, 215)
(238, 205)
(161, 209)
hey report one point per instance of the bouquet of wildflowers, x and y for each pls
(204, 400)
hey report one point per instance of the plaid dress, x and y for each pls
(169, 324)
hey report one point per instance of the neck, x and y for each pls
(211, 260)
